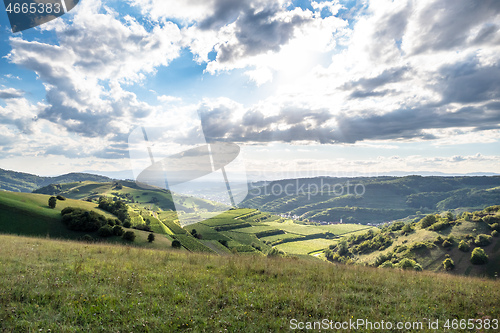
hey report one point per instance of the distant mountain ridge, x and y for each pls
(26, 182)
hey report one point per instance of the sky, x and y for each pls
(305, 88)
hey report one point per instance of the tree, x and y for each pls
(478, 257)
(176, 244)
(52, 202)
(448, 264)
(151, 238)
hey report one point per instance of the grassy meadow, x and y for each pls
(64, 286)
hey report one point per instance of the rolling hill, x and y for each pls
(373, 199)
(25, 182)
(29, 214)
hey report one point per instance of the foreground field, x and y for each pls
(64, 286)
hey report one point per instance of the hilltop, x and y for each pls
(72, 287)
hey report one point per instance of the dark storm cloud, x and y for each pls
(468, 82)
(446, 24)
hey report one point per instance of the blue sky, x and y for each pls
(304, 87)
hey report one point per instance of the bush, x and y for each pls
(386, 264)
(407, 263)
(105, 231)
(447, 243)
(78, 219)
(406, 229)
(176, 244)
(60, 197)
(439, 240)
(439, 225)
(483, 240)
(118, 230)
(427, 221)
(151, 238)
(464, 246)
(87, 238)
(223, 242)
(494, 233)
(143, 227)
(478, 256)
(127, 224)
(129, 236)
(448, 264)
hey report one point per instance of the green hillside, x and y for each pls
(373, 199)
(29, 214)
(428, 243)
(25, 182)
(153, 199)
(58, 286)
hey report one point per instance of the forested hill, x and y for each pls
(373, 199)
(25, 182)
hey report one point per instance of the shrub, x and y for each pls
(151, 238)
(464, 246)
(483, 240)
(386, 264)
(127, 224)
(275, 253)
(224, 242)
(439, 240)
(118, 230)
(427, 221)
(478, 256)
(495, 226)
(406, 229)
(407, 263)
(129, 236)
(494, 233)
(105, 231)
(60, 197)
(418, 267)
(439, 225)
(448, 264)
(143, 227)
(447, 243)
(87, 238)
(176, 244)
(383, 258)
